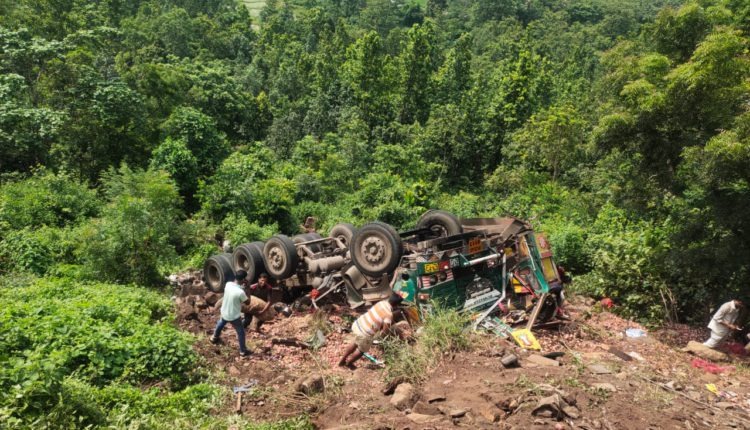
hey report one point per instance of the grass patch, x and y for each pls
(442, 332)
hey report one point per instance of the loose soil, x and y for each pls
(659, 389)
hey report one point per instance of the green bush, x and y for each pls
(45, 199)
(443, 332)
(134, 239)
(37, 249)
(238, 230)
(626, 265)
(65, 347)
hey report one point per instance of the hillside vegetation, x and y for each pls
(135, 136)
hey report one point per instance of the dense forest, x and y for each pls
(136, 135)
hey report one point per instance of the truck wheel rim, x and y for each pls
(375, 251)
(278, 260)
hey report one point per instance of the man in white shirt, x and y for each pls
(231, 311)
(723, 322)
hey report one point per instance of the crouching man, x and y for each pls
(377, 320)
(723, 322)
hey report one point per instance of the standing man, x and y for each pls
(231, 311)
(377, 320)
(723, 322)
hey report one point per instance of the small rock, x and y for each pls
(211, 298)
(604, 386)
(311, 385)
(355, 405)
(637, 356)
(622, 376)
(598, 369)
(457, 413)
(725, 405)
(548, 407)
(542, 361)
(425, 408)
(510, 360)
(234, 371)
(422, 419)
(403, 396)
(491, 413)
(571, 411)
(434, 397)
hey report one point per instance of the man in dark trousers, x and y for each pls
(231, 311)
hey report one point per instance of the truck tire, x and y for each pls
(343, 232)
(217, 271)
(280, 256)
(442, 223)
(249, 257)
(376, 248)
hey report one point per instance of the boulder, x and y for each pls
(705, 352)
(403, 396)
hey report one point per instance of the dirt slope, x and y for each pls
(587, 387)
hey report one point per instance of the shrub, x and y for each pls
(37, 249)
(45, 199)
(625, 261)
(66, 347)
(134, 240)
(443, 332)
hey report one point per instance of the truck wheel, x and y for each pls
(441, 223)
(376, 249)
(217, 271)
(343, 232)
(280, 256)
(249, 257)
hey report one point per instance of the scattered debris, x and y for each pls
(526, 339)
(556, 407)
(635, 333)
(710, 367)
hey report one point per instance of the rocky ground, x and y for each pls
(589, 375)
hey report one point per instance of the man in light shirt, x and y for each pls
(723, 322)
(231, 311)
(377, 320)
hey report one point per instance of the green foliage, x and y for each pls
(134, 239)
(443, 332)
(45, 199)
(625, 257)
(68, 351)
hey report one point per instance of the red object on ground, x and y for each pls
(607, 303)
(734, 348)
(709, 367)
(314, 293)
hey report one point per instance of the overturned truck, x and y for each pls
(474, 264)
